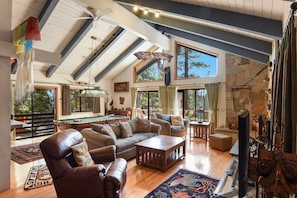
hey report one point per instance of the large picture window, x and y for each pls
(80, 104)
(149, 72)
(192, 63)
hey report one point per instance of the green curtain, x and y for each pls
(96, 106)
(212, 90)
(66, 109)
(284, 91)
(172, 96)
(133, 101)
(163, 99)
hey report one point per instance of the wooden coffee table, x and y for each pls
(160, 152)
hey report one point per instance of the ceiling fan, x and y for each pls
(95, 14)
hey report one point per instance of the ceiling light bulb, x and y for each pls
(145, 11)
(135, 8)
(157, 14)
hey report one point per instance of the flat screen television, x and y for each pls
(243, 151)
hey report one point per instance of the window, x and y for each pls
(149, 72)
(192, 63)
(147, 104)
(80, 104)
(194, 104)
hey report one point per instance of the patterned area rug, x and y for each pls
(185, 184)
(26, 153)
(38, 176)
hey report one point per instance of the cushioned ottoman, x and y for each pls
(220, 141)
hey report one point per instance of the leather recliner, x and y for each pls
(104, 179)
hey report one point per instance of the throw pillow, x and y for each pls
(116, 128)
(82, 155)
(163, 116)
(126, 130)
(143, 125)
(176, 120)
(107, 130)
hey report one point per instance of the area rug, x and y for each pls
(186, 184)
(26, 153)
(38, 176)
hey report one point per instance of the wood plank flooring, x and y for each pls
(140, 180)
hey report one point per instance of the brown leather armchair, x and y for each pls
(104, 179)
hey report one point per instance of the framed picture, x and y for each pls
(121, 86)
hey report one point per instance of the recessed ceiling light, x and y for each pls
(157, 14)
(145, 11)
(135, 8)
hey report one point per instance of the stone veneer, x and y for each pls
(246, 88)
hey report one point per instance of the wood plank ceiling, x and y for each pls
(243, 27)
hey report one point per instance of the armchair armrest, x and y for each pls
(115, 177)
(155, 128)
(103, 154)
(165, 126)
(186, 122)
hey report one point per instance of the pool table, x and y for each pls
(85, 122)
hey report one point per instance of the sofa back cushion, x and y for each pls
(116, 128)
(104, 129)
(133, 124)
(143, 125)
(126, 130)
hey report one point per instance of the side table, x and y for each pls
(200, 129)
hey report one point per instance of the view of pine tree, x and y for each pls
(151, 73)
(41, 100)
(187, 60)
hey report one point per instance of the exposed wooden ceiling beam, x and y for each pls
(253, 24)
(120, 58)
(71, 45)
(88, 63)
(220, 45)
(238, 40)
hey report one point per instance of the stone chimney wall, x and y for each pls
(246, 89)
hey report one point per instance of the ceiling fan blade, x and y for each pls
(80, 18)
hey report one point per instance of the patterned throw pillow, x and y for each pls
(176, 120)
(82, 155)
(143, 125)
(126, 130)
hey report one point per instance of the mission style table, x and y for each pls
(160, 152)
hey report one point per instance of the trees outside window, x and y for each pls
(192, 63)
(80, 104)
(149, 72)
(147, 104)
(193, 104)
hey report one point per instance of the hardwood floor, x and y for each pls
(140, 181)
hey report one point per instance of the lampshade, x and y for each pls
(95, 93)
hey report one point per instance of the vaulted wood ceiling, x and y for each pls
(101, 48)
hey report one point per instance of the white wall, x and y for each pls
(5, 35)
(128, 75)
